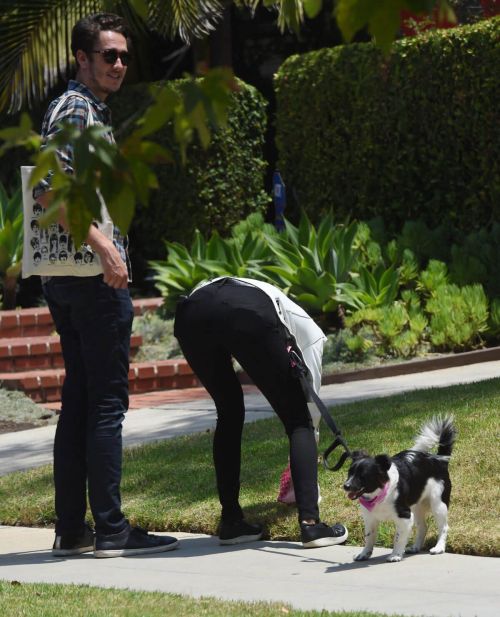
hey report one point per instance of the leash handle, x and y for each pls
(343, 457)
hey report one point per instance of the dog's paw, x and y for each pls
(394, 557)
(363, 556)
(437, 550)
(412, 550)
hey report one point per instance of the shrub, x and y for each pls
(392, 330)
(458, 317)
(434, 315)
(414, 135)
(475, 259)
(433, 277)
(158, 341)
(342, 347)
(427, 242)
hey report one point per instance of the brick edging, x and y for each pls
(45, 385)
(38, 321)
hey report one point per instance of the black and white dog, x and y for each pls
(404, 487)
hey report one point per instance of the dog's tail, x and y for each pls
(439, 431)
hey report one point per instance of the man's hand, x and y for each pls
(113, 266)
(114, 269)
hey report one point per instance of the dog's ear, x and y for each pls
(357, 454)
(383, 461)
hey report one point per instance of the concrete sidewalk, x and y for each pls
(32, 448)
(327, 578)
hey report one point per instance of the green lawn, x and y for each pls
(170, 485)
(37, 600)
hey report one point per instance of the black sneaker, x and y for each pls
(74, 544)
(320, 534)
(239, 532)
(132, 541)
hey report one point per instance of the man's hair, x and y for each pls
(85, 33)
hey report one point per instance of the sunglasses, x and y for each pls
(110, 56)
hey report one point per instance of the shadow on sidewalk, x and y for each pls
(200, 546)
(315, 556)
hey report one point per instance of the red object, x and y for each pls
(490, 7)
(287, 492)
(412, 24)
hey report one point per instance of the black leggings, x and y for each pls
(225, 319)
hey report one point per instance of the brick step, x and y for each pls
(39, 352)
(38, 321)
(45, 386)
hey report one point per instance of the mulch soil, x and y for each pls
(6, 426)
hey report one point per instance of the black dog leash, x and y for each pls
(300, 371)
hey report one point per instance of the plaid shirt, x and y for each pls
(75, 110)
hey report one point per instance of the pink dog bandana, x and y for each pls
(369, 504)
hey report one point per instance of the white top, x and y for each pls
(307, 334)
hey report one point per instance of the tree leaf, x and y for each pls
(312, 7)
(121, 209)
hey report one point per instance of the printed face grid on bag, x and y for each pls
(49, 251)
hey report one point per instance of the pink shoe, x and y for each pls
(287, 492)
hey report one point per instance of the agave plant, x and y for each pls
(242, 255)
(11, 243)
(311, 263)
(375, 288)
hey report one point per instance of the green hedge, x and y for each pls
(217, 188)
(414, 135)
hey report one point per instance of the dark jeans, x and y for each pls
(227, 319)
(94, 322)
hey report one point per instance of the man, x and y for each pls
(255, 323)
(93, 315)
